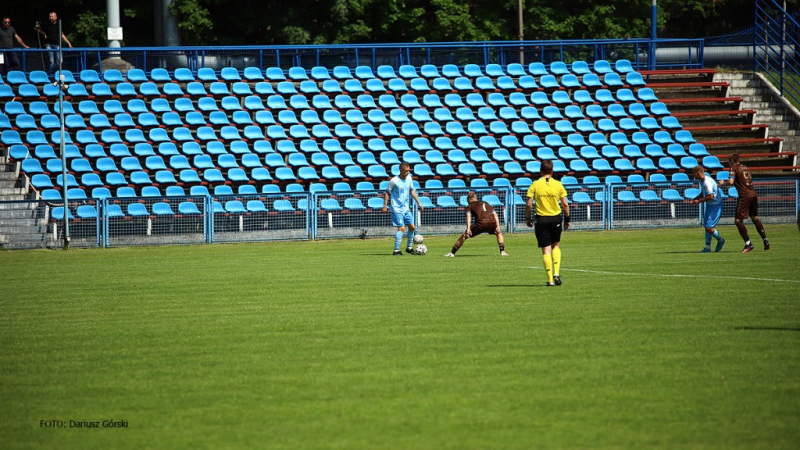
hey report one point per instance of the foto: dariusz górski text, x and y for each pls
(83, 424)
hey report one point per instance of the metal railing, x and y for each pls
(685, 53)
(776, 42)
(133, 221)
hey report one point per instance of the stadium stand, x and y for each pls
(270, 131)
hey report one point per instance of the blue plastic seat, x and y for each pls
(668, 164)
(627, 197)
(654, 151)
(645, 164)
(634, 79)
(342, 73)
(641, 138)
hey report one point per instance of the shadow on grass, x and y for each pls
(768, 329)
(687, 253)
(518, 286)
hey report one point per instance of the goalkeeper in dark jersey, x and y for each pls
(486, 221)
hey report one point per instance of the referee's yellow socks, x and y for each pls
(556, 260)
(548, 267)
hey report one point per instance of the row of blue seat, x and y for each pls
(471, 104)
(160, 142)
(232, 74)
(375, 203)
(569, 182)
(364, 157)
(609, 159)
(322, 102)
(308, 174)
(595, 146)
(148, 128)
(190, 141)
(418, 86)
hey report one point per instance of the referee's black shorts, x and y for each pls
(548, 230)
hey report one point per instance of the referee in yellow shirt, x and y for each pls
(547, 193)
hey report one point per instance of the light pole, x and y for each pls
(64, 184)
(651, 54)
(521, 33)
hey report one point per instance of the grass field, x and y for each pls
(337, 345)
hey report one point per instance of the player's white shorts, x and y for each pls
(400, 219)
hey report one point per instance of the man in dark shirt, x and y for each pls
(52, 39)
(747, 205)
(486, 221)
(7, 37)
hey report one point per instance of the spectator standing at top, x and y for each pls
(7, 37)
(52, 39)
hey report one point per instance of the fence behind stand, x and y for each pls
(128, 221)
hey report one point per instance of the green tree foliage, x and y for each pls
(90, 29)
(254, 22)
(194, 23)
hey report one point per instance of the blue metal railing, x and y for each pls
(374, 55)
(776, 41)
(38, 223)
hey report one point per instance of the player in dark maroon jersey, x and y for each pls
(747, 205)
(486, 221)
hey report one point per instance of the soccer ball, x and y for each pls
(418, 239)
(421, 250)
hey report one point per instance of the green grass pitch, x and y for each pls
(338, 345)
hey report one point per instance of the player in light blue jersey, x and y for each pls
(710, 195)
(400, 191)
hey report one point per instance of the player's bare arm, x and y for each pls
(528, 207)
(565, 208)
(700, 199)
(496, 221)
(469, 223)
(414, 195)
(729, 182)
(385, 201)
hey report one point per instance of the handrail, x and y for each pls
(374, 55)
(775, 43)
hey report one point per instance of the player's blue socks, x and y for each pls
(708, 239)
(398, 238)
(410, 238)
(716, 235)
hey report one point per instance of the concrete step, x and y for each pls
(8, 176)
(12, 191)
(778, 125)
(739, 84)
(18, 206)
(9, 185)
(732, 76)
(14, 214)
(754, 98)
(772, 119)
(14, 242)
(9, 226)
(760, 106)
